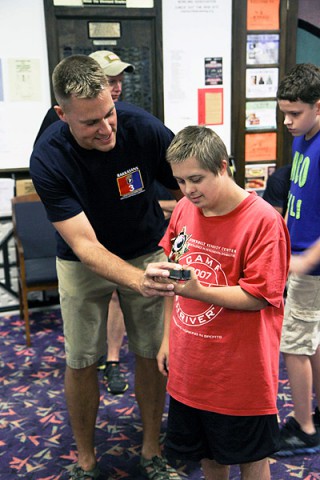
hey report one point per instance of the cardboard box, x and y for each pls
(25, 186)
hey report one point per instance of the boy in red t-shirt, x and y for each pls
(223, 327)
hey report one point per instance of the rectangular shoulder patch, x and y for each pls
(130, 183)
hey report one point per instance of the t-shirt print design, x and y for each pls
(209, 273)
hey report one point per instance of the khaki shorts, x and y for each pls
(84, 300)
(301, 326)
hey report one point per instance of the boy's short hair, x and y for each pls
(301, 83)
(201, 143)
(78, 76)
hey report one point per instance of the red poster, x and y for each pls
(210, 106)
(260, 146)
(263, 14)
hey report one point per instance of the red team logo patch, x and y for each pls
(130, 183)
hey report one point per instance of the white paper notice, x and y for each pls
(6, 193)
(24, 80)
(139, 4)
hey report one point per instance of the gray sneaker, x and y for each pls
(158, 469)
(78, 473)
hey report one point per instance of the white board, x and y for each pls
(194, 32)
(24, 79)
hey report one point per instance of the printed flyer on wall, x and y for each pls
(261, 114)
(260, 146)
(261, 82)
(256, 176)
(263, 48)
(263, 14)
(213, 70)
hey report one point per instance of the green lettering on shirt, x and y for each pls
(294, 206)
(299, 176)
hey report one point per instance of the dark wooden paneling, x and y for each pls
(140, 44)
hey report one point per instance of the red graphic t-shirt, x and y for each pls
(225, 360)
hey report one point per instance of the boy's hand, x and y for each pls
(187, 288)
(163, 358)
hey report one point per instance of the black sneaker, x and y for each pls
(101, 365)
(116, 380)
(316, 417)
(294, 441)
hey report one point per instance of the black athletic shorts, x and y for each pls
(194, 434)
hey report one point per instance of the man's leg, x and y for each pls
(300, 379)
(215, 471)
(150, 388)
(82, 395)
(84, 298)
(300, 331)
(256, 470)
(115, 333)
(315, 364)
(115, 329)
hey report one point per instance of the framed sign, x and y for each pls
(104, 30)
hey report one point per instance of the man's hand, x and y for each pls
(155, 281)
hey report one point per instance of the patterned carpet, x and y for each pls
(35, 437)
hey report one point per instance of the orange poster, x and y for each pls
(263, 14)
(260, 146)
(210, 106)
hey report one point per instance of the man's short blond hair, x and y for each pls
(78, 76)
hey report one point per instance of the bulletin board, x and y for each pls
(262, 78)
(197, 64)
(24, 80)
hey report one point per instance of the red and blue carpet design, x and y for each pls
(35, 437)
